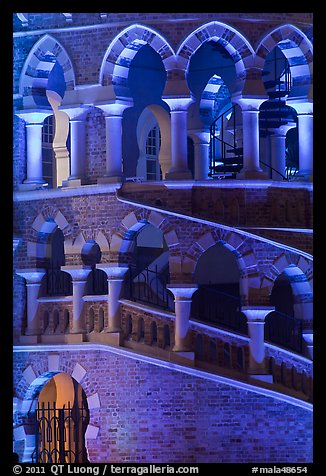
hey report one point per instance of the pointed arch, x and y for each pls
(46, 54)
(124, 47)
(297, 49)
(234, 43)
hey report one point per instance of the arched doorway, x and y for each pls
(61, 418)
(149, 267)
(217, 299)
(284, 326)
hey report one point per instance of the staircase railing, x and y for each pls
(230, 154)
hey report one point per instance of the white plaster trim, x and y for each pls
(78, 373)
(217, 225)
(164, 364)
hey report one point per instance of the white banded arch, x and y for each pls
(124, 47)
(297, 49)
(39, 64)
(234, 43)
(49, 378)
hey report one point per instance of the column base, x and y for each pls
(73, 182)
(252, 175)
(110, 179)
(27, 186)
(30, 339)
(185, 175)
(111, 338)
(262, 377)
(183, 357)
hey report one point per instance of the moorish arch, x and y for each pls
(298, 51)
(46, 56)
(226, 37)
(122, 50)
(52, 383)
(297, 281)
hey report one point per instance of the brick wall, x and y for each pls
(149, 413)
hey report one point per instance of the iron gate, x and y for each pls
(60, 434)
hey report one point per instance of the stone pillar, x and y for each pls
(201, 149)
(77, 122)
(113, 127)
(33, 127)
(250, 124)
(305, 133)
(179, 150)
(79, 276)
(304, 109)
(116, 275)
(256, 321)
(33, 279)
(277, 144)
(183, 298)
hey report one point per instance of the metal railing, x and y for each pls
(60, 434)
(284, 330)
(217, 307)
(149, 286)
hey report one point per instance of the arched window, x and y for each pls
(212, 351)
(66, 319)
(97, 283)
(100, 319)
(153, 332)
(129, 327)
(226, 355)
(166, 334)
(153, 143)
(90, 320)
(55, 321)
(141, 329)
(199, 347)
(47, 150)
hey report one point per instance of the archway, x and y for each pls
(217, 299)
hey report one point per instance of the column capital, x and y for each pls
(302, 106)
(114, 109)
(257, 313)
(113, 270)
(78, 113)
(178, 104)
(34, 116)
(249, 104)
(32, 276)
(182, 292)
(199, 136)
(77, 272)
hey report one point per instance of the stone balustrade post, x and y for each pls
(183, 298)
(79, 276)
(256, 321)
(33, 279)
(115, 275)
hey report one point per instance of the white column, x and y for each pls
(33, 127)
(113, 128)
(79, 276)
(183, 298)
(277, 144)
(256, 321)
(304, 109)
(179, 150)
(77, 123)
(33, 279)
(305, 133)
(250, 124)
(201, 152)
(116, 275)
